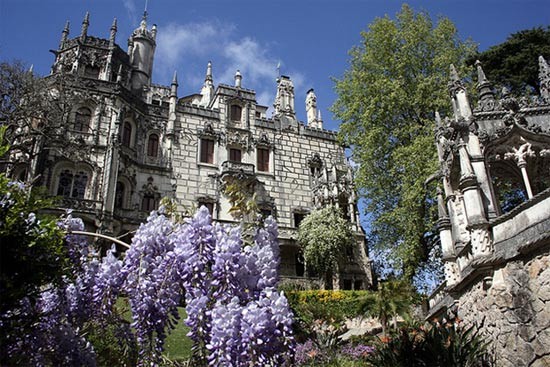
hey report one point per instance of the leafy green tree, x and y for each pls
(32, 251)
(393, 298)
(514, 63)
(386, 100)
(325, 237)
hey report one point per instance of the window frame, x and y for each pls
(82, 124)
(153, 145)
(235, 155)
(236, 112)
(261, 160)
(206, 151)
(126, 134)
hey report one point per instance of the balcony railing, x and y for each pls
(238, 169)
(81, 204)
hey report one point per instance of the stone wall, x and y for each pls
(514, 311)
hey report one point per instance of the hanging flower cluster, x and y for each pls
(235, 314)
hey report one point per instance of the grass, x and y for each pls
(178, 345)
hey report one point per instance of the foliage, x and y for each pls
(326, 305)
(386, 100)
(326, 238)
(231, 301)
(32, 253)
(514, 63)
(432, 345)
(393, 298)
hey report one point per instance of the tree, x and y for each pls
(514, 63)
(325, 237)
(31, 245)
(33, 110)
(386, 100)
(393, 298)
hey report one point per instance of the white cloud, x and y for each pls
(130, 7)
(188, 47)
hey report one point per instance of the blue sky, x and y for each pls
(310, 38)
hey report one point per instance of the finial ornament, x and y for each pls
(85, 24)
(486, 101)
(175, 78)
(64, 35)
(208, 77)
(454, 74)
(481, 78)
(238, 79)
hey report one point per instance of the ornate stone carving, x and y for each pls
(482, 245)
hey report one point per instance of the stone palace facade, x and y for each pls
(125, 143)
(494, 218)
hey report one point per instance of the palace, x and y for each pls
(125, 143)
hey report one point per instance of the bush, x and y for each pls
(432, 344)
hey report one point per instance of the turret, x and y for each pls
(141, 49)
(207, 91)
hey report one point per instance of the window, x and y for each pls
(207, 151)
(148, 203)
(82, 119)
(71, 184)
(127, 134)
(298, 218)
(234, 155)
(262, 156)
(153, 145)
(92, 72)
(236, 112)
(119, 195)
(208, 205)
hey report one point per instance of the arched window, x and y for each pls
(71, 184)
(127, 134)
(82, 119)
(153, 145)
(119, 195)
(236, 112)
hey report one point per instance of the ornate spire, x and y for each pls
(208, 77)
(112, 35)
(454, 83)
(64, 35)
(486, 100)
(544, 79)
(85, 24)
(453, 74)
(175, 78)
(174, 85)
(238, 79)
(207, 91)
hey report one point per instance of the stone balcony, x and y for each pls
(237, 169)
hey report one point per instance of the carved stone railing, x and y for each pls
(238, 169)
(81, 204)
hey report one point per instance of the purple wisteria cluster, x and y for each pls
(235, 314)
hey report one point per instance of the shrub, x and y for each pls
(433, 344)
